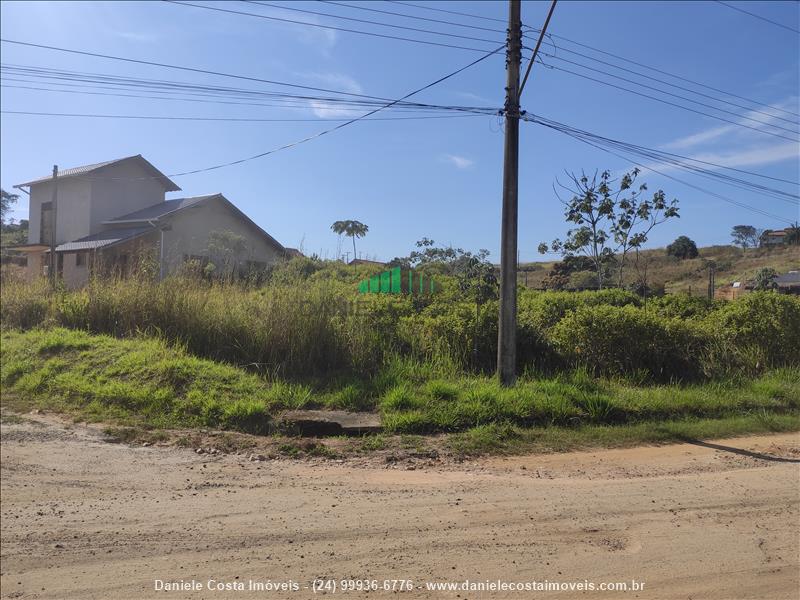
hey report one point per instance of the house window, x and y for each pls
(46, 223)
(80, 259)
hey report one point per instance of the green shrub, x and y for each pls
(615, 340)
(759, 330)
(683, 306)
(542, 310)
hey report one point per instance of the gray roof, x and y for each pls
(152, 213)
(168, 184)
(103, 239)
(789, 279)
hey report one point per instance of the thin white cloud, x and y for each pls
(771, 115)
(763, 155)
(460, 162)
(336, 81)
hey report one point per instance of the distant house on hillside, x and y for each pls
(774, 238)
(364, 261)
(110, 213)
(788, 283)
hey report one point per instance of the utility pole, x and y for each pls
(53, 214)
(507, 324)
(712, 276)
(507, 321)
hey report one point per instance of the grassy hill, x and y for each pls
(692, 274)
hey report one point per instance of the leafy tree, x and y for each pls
(745, 236)
(477, 279)
(765, 279)
(792, 237)
(609, 221)
(560, 275)
(682, 248)
(6, 200)
(428, 256)
(225, 249)
(352, 229)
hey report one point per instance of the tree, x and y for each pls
(608, 220)
(682, 248)
(765, 279)
(477, 279)
(745, 236)
(428, 256)
(225, 249)
(353, 229)
(6, 200)
(792, 237)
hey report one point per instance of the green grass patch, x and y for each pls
(143, 384)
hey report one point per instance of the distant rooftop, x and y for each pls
(103, 239)
(168, 184)
(155, 212)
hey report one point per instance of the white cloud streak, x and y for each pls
(460, 162)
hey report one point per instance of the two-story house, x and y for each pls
(110, 213)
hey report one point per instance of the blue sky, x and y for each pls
(407, 179)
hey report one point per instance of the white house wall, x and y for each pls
(73, 208)
(120, 189)
(191, 228)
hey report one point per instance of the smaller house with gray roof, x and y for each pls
(110, 214)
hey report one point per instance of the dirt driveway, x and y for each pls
(83, 518)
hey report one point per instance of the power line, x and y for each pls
(326, 131)
(418, 18)
(711, 106)
(344, 29)
(189, 69)
(606, 83)
(450, 12)
(663, 72)
(662, 155)
(346, 123)
(382, 24)
(114, 82)
(686, 89)
(227, 119)
(597, 141)
(741, 10)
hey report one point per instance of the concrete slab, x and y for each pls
(329, 422)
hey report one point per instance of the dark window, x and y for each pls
(80, 259)
(46, 223)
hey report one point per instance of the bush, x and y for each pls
(682, 248)
(683, 306)
(763, 326)
(614, 340)
(542, 310)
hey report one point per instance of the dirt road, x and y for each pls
(83, 518)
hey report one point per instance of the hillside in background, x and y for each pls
(732, 264)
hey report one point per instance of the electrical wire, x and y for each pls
(379, 23)
(226, 119)
(335, 28)
(598, 143)
(606, 83)
(407, 16)
(667, 73)
(747, 12)
(686, 89)
(649, 87)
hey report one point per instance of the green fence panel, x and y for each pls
(396, 277)
(385, 282)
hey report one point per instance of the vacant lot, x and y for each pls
(82, 518)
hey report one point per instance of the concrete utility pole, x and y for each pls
(53, 261)
(507, 325)
(507, 322)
